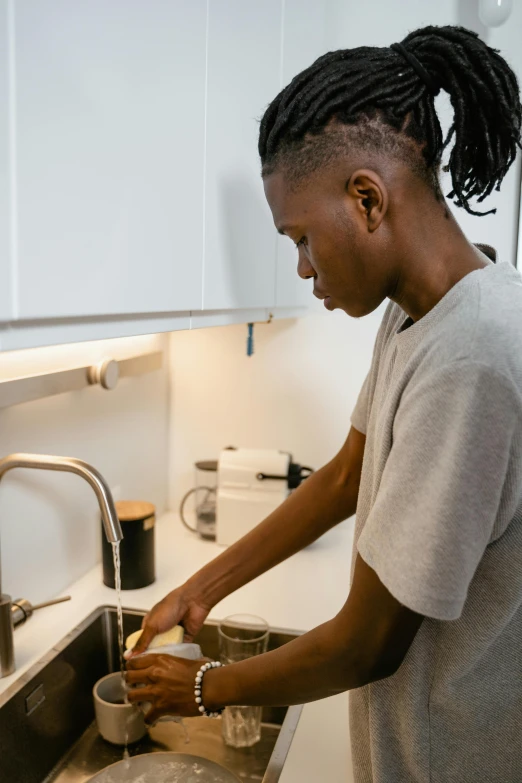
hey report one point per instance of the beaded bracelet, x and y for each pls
(198, 687)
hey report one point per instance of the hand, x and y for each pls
(182, 606)
(167, 684)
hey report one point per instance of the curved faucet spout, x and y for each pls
(110, 519)
(80, 468)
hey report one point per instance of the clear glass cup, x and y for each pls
(241, 636)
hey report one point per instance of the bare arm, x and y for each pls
(322, 501)
(366, 641)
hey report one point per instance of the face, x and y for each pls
(336, 222)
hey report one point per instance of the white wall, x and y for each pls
(298, 390)
(49, 522)
(295, 393)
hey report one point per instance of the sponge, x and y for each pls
(174, 636)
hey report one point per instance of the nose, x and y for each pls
(304, 268)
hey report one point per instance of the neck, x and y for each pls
(431, 260)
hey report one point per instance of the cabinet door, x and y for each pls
(243, 77)
(304, 40)
(110, 143)
(5, 221)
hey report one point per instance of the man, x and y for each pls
(430, 637)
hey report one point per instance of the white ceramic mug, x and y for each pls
(118, 722)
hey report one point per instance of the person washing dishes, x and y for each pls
(430, 638)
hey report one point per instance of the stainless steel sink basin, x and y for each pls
(47, 729)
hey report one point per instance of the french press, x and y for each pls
(204, 494)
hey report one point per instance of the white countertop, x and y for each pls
(302, 592)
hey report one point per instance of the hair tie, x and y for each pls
(417, 66)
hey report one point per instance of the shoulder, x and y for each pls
(497, 336)
(482, 327)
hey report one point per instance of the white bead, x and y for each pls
(199, 678)
(197, 692)
(198, 699)
(201, 709)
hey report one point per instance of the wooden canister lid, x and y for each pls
(130, 510)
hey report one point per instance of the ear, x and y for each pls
(370, 195)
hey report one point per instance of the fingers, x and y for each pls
(143, 642)
(143, 662)
(139, 695)
(137, 677)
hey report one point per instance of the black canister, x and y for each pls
(137, 554)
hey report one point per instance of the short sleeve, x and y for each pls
(359, 415)
(453, 470)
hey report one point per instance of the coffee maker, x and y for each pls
(236, 492)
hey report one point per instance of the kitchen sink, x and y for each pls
(47, 728)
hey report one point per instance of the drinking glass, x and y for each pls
(241, 636)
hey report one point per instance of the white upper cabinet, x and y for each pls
(130, 187)
(244, 52)
(304, 40)
(110, 105)
(5, 216)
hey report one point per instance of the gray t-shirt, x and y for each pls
(439, 518)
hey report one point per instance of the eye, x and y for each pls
(302, 241)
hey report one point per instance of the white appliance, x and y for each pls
(251, 484)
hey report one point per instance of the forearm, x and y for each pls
(312, 667)
(322, 501)
(366, 641)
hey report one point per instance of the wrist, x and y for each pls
(194, 591)
(204, 589)
(214, 689)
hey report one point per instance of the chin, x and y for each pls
(353, 311)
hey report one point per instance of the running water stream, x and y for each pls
(117, 585)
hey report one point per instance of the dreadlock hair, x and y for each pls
(381, 99)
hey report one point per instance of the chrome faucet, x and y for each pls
(110, 519)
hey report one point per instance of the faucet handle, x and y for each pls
(23, 609)
(7, 662)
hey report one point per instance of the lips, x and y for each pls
(319, 294)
